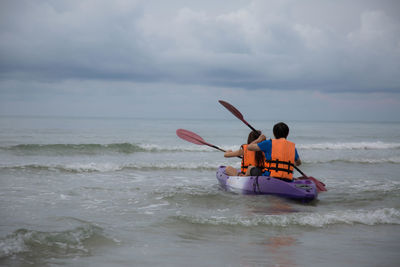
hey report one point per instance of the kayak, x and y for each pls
(300, 189)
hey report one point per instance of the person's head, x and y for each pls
(259, 154)
(281, 130)
(253, 136)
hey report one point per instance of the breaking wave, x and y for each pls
(391, 160)
(130, 148)
(110, 167)
(75, 242)
(350, 146)
(366, 217)
(93, 149)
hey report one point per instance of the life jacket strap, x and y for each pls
(276, 168)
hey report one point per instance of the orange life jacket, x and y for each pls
(282, 159)
(249, 158)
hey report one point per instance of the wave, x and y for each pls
(366, 217)
(79, 167)
(130, 148)
(391, 160)
(192, 192)
(73, 242)
(367, 189)
(378, 145)
(109, 167)
(92, 149)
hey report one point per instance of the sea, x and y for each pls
(128, 192)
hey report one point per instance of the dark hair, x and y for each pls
(259, 154)
(281, 130)
(253, 136)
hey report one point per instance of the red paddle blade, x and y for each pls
(320, 185)
(190, 137)
(237, 113)
(232, 109)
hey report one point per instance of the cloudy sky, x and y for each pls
(279, 60)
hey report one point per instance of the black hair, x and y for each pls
(281, 130)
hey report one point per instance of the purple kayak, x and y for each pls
(304, 189)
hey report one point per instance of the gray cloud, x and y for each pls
(312, 45)
(337, 60)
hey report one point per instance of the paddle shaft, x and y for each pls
(251, 127)
(237, 114)
(220, 149)
(302, 173)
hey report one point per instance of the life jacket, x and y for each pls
(249, 158)
(282, 159)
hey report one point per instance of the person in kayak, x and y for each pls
(280, 154)
(249, 158)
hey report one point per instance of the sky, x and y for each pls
(276, 60)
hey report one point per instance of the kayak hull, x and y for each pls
(304, 189)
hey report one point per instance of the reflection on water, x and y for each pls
(280, 249)
(276, 250)
(272, 206)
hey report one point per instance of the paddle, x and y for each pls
(195, 139)
(237, 114)
(320, 185)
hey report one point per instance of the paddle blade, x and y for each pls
(320, 185)
(232, 109)
(237, 114)
(190, 137)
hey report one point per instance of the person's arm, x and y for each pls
(297, 160)
(253, 145)
(236, 153)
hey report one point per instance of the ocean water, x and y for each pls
(129, 192)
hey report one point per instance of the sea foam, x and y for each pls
(360, 216)
(349, 146)
(50, 244)
(110, 167)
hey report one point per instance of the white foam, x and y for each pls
(367, 217)
(392, 160)
(154, 206)
(381, 187)
(13, 244)
(70, 241)
(110, 167)
(349, 146)
(373, 217)
(183, 147)
(91, 167)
